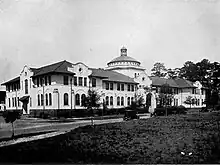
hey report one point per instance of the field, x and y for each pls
(154, 140)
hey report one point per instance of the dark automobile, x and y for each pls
(130, 114)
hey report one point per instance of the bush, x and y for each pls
(170, 110)
(10, 117)
(44, 115)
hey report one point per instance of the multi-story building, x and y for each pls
(64, 85)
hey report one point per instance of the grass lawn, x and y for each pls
(154, 140)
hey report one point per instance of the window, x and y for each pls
(12, 101)
(122, 87)
(118, 100)
(75, 81)
(77, 99)
(9, 103)
(15, 100)
(65, 99)
(111, 86)
(93, 82)
(17, 85)
(38, 100)
(50, 99)
(107, 100)
(118, 86)
(202, 91)
(18, 102)
(46, 99)
(38, 83)
(132, 88)
(41, 81)
(128, 101)
(42, 99)
(85, 81)
(80, 81)
(107, 86)
(122, 101)
(65, 80)
(132, 99)
(45, 80)
(49, 80)
(83, 100)
(30, 102)
(111, 100)
(129, 87)
(26, 86)
(135, 75)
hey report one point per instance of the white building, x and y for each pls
(49, 87)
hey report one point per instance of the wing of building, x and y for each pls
(64, 85)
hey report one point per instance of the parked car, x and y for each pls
(130, 114)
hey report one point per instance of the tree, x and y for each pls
(92, 101)
(173, 73)
(10, 117)
(159, 70)
(189, 71)
(165, 96)
(138, 101)
(190, 101)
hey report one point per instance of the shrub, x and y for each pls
(170, 110)
(10, 117)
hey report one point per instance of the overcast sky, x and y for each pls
(41, 32)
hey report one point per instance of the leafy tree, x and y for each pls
(165, 96)
(189, 71)
(159, 70)
(138, 101)
(92, 101)
(190, 101)
(10, 117)
(214, 98)
(173, 73)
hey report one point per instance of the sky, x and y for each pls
(42, 32)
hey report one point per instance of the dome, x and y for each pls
(124, 57)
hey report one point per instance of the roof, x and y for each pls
(59, 67)
(111, 76)
(12, 80)
(124, 59)
(176, 83)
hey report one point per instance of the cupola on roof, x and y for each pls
(124, 57)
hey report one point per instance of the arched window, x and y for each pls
(65, 99)
(107, 100)
(38, 100)
(111, 100)
(118, 100)
(46, 99)
(50, 99)
(132, 99)
(128, 101)
(42, 99)
(83, 100)
(122, 101)
(26, 86)
(77, 99)
(9, 103)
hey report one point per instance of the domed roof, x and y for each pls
(123, 57)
